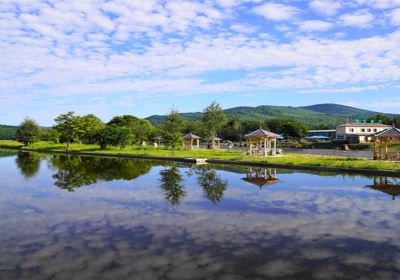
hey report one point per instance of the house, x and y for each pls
(359, 132)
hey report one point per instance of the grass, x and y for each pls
(294, 159)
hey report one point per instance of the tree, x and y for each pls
(91, 125)
(69, 128)
(290, 129)
(140, 129)
(114, 136)
(28, 164)
(171, 129)
(28, 132)
(212, 184)
(213, 119)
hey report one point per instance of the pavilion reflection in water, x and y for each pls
(261, 176)
(390, 186)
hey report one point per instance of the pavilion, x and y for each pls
(189, 139)
(215, 142)
(157, 141)
(381, 141)
(265, 143)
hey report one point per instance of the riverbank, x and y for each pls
(334, 163)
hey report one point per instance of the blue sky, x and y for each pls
(143, 57)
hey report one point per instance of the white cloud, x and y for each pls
(360, 19)
(394, 16)
(276, 12)
(315, 25)
(326, 7)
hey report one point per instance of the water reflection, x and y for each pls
(171, 184)
(28, 163)
(261, 176)
(309, 227)
(390, 186)
(211, 183)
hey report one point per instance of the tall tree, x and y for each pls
(91, 125)
(28, 132)
(213, 119)
(171, 129)
(69, 128)
(171, 184)
(140, 129)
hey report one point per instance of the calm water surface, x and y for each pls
(103, 218)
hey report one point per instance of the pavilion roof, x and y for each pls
(191, 136)
(261, 181)
(390, 132)
(213, 138)
(261, 133)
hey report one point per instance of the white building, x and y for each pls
(358, 132)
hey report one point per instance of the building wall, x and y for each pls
(357, 133)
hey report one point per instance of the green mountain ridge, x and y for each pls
(314, 115)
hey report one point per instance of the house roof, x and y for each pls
(364, 125)
(390, 132)
(261, 133)
(191, 136)
(213, 138)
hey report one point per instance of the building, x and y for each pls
(324, 134)
(359, 132)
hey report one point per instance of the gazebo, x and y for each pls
(188, 140)
(381, 141)
(157, 141)
(261, 176)
(215, 142)
(265, 143)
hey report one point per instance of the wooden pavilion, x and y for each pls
(213, 142)
(261, 176)
(390, 186)
(157, 141)
(261, 143)
(381, 141)
(189, 140)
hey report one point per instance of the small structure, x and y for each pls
(261, 143)
(261, 176)
(381, 141)
(157, 141)
(390, 186)
(213, 142)
(329, 134)
(189, 139)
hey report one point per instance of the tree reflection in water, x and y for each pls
(171, 184)
(28, 164)
(213, 186)
(75, 171)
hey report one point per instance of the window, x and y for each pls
(369, 130)
(351, 129)
(375, 130)
(362, 129)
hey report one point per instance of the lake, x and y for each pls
(71, 217)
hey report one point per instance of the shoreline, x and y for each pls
(224, 161)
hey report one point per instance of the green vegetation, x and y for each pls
(171, 130)
(295, 159)
(213, 119)
(8, 132)
(28, 132)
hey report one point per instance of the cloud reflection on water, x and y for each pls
(327, 227)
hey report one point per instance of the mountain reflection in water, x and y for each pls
(111, 218)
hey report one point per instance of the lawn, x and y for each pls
(295, 159)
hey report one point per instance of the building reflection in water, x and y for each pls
(390, 186)
(261, 176)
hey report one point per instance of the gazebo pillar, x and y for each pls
(198, 143)
(265, 147)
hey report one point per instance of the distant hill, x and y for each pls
(320, 114)
(7, 132)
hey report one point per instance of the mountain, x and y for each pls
(7, 132)
(336, 109)
(320, 114)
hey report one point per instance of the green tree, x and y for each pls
(28, 164)
(140, 129)
(91, 125)
(114, 136)
(213, 186)
(28, 132)
(290, 129)
(213, 119)
(171, 129)
(69, 128)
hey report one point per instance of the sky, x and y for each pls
(144, 57)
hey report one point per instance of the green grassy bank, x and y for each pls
(294, 159)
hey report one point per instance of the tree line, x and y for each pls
(125, 130)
